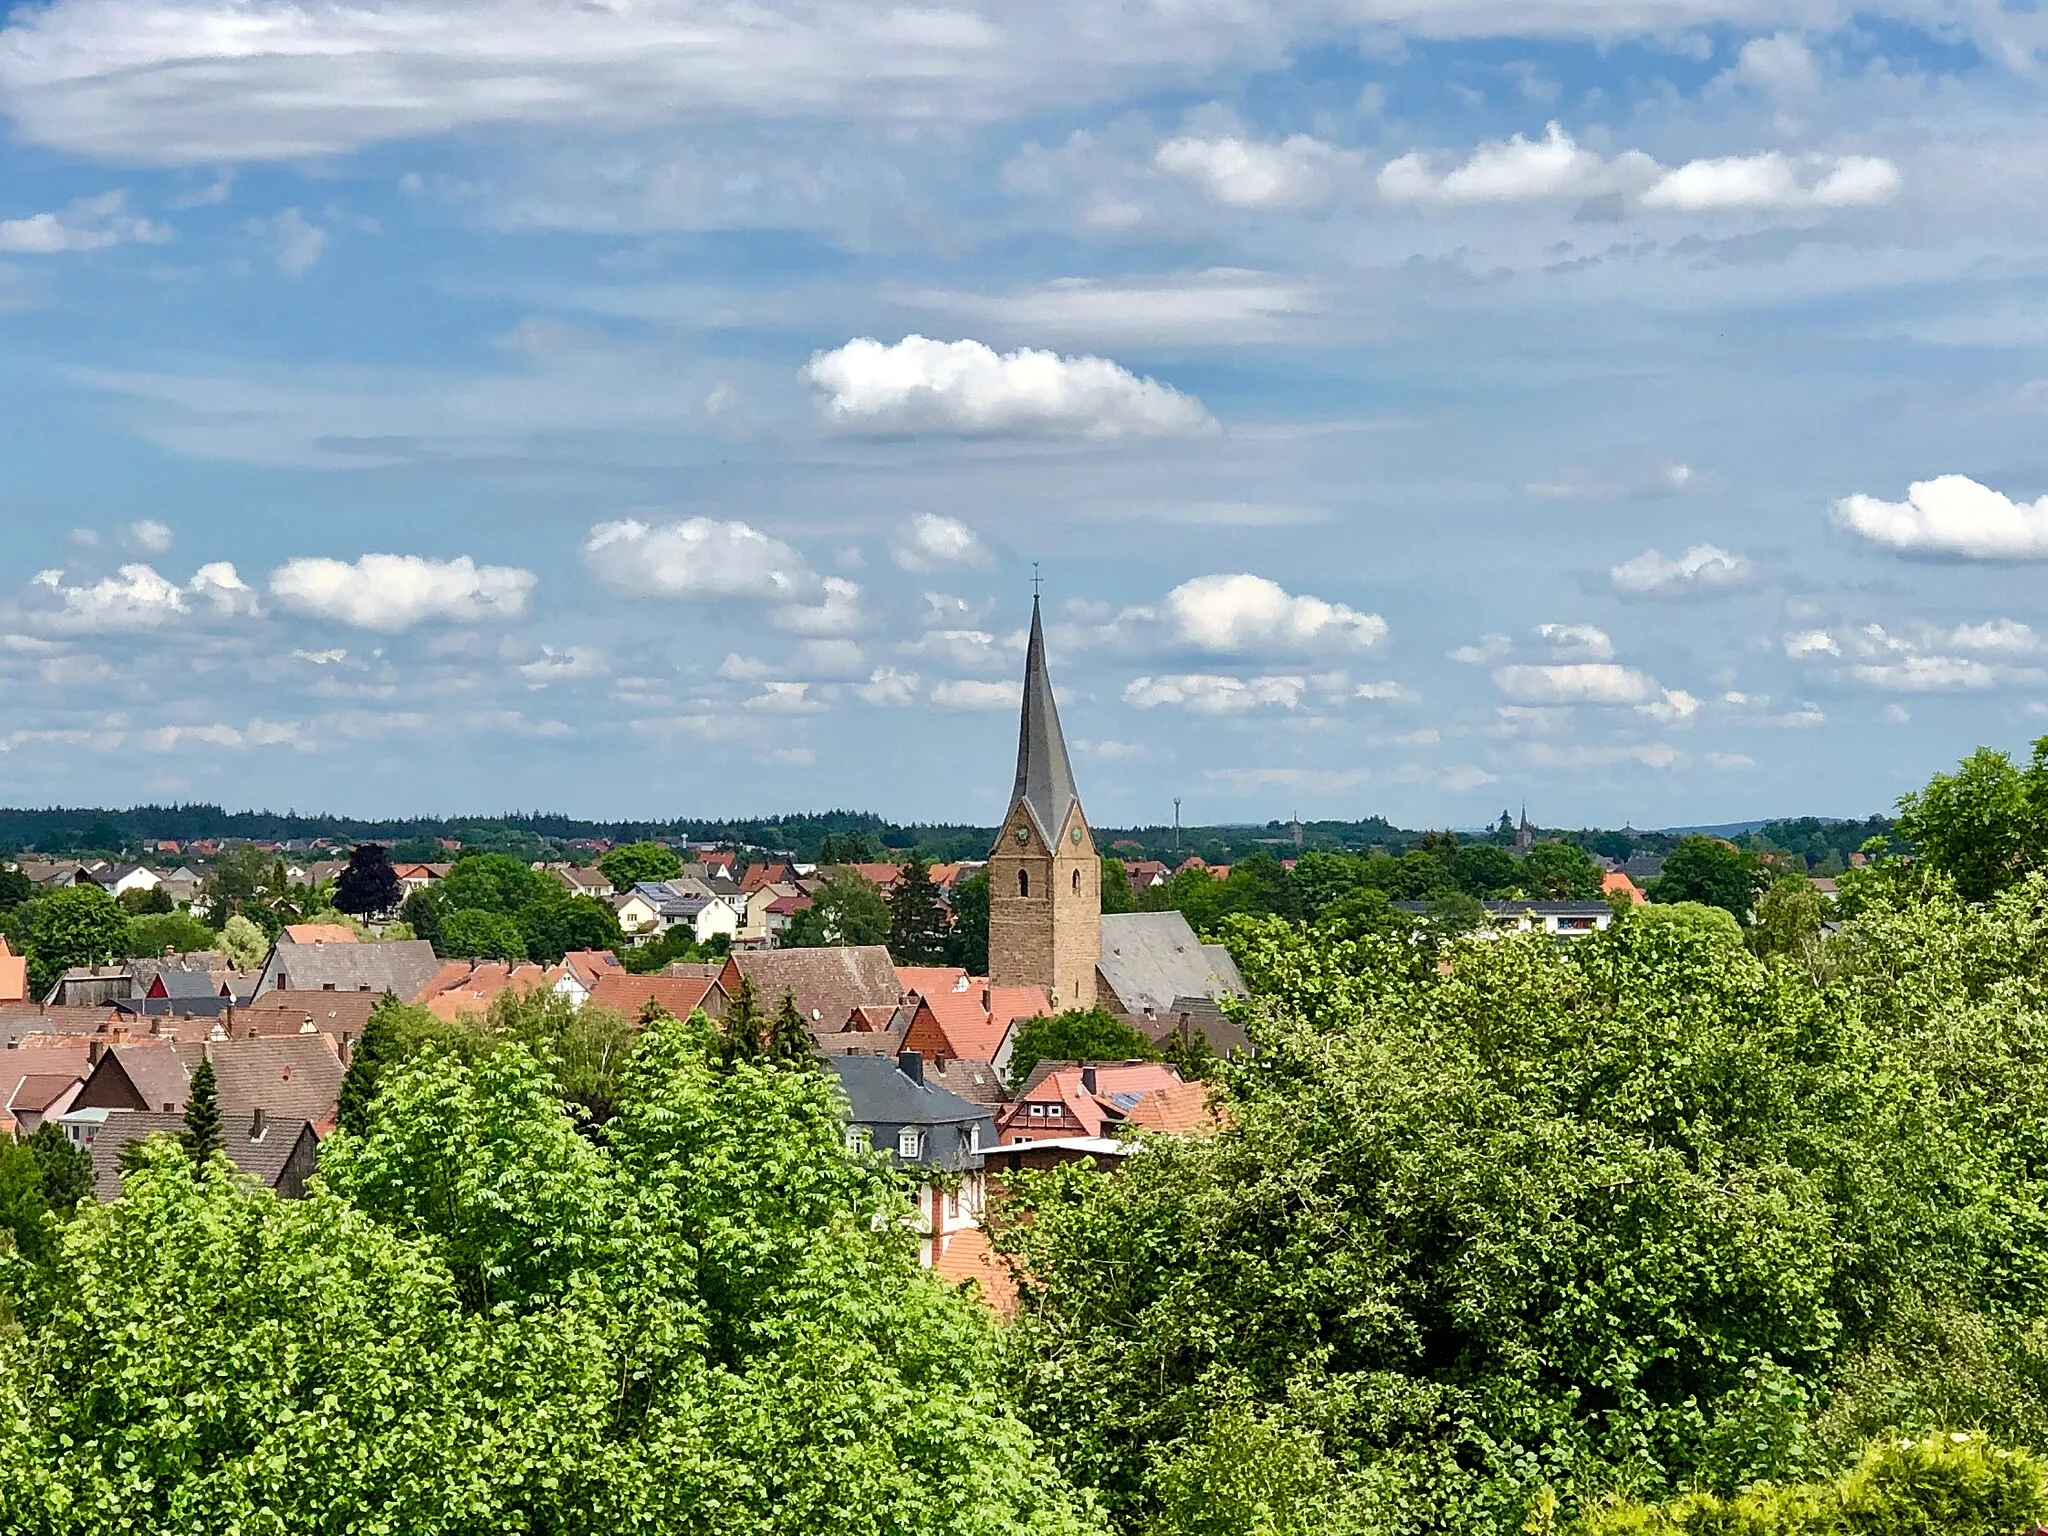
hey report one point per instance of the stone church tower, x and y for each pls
(1044, 875)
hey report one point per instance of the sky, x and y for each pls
(647, 408)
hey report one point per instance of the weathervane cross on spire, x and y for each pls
(1036, 581)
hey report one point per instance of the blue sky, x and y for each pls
(655, 408)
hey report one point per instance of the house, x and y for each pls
(957, 1017)
(754, 930)
(1558, 919)
(828, 984)
(342, 1016)
(1180, 1109)
(318, 933)
(623, 992)
(638, 912)
(583, 880)
(1643, 866)
(401, 967)
(580, 972)
(285, 1075)
(683, 901)
(181, 885)
(1151, 958)
(1144, 874)
(420, 877)
(39, 1082)
(1091, 1099)
(124, 878)
(469, 987)
(935, 1135)
(91, 986)
(774, 872)
(1189, 1020)
(1616, 881)
(881, 876)
(782, 912)
(13, 975)
(278, 1152)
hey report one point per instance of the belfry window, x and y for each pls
(1023, 882)
(1077, 881)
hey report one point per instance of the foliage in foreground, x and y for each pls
(1617, 1219)
(485, 1320)
(1957, 1484)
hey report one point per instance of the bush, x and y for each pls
(1955, 1484)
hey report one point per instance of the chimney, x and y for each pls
(256, 1125)
(94, 1050)
(1088, 1077)
(911, 1065)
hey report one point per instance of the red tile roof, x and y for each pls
(623, 992)
(1083, 1113)
(13, 975)
(1183, 1109)
(967, 1259)
(1614, 880)
(319, 933)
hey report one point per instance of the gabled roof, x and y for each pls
(1183, 1109)
(265, 1161)
(828, 983)
(1150, 958)
(344, 1015)
(1045, 779)
(319, 933)
(34, 1092)
(401, 967)
(623, 992)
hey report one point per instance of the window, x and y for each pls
(1054, 1112)
(974, 1137)
(1077, 882)
(859, 1138)
(1023, 882)
(908, 1142)
(953, 1205)
(1038, 1111)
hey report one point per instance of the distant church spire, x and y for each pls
(1045, 779)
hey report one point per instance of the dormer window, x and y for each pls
(909, 1142)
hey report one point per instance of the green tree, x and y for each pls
(1486, 869)
(967, 939)
(789, 1037)
(1789, 918)
(627, 866)
(743, 1031)
(494, 882)
(369, 886)
(917, 918)
(374, 1053)
(167, 934)
(24, 1209)
(1713, 873)
(481, 935)
(141, 903)
(75, 925)
(1983, 826)
(558, 923)
(844, 910)
(1117, 895)
(244, 943)
(15, 887)
(423, 911)
(1562, 872)
(66, 1168)
(1078, 1034)
(202, 1135)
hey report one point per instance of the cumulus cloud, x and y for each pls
(1950, 515)
(1579, 682)
(839, 613)
(1773, 180)
(1242, 614)
(696, 558)
(1702, 568)
(784, 698)
(148, 535)
(1577, 642)
(969, 389)
(889, 688)
(1386, 692)
(390, 593)
(1208, 694)
(929, 542)
(85, 224)
(1923, 659)
(963, 693)
(1298, 172)
(136, 597)
(574, 664)
(970, 650)
(1675, 705)
(1528, 170)
(1486, 649)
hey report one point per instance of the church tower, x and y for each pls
(1044, 875)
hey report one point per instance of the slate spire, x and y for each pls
(1045, 779)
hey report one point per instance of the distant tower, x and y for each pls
(1525, 835)
(1044, 875)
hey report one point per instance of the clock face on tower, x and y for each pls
(1023, 836)
(1075, 834)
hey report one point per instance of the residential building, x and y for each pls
(1616, 881)
(952, 1016)
(278, 1152)
(1045, 877)
(583, 880)
(1558, 919)
(401, 967)
(930, 1132)
(318, 933)
(1090, 1099)
(1150, 959)
(39, 1081)
(13, 975)
(283, 1075)
(828, 983)
(623, 992)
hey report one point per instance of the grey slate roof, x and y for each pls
(884, 1099)
(403, 967)
(1151, 958)
(1045, 779)
(280, 1161)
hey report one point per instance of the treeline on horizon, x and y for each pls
(59, 830)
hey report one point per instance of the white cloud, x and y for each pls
(829, 658)
(838, 614)
(1386, 692)
(1951, 515)
(149, 536)
(1702, 568)
(1298, 172)
(1582, 682)
(1527, 170)
(956, 693)
(1811, 642)
(970, 650)
(1676, 704)
(1896, 714)
(698, 557)
(967, 388)
(2007, 636)
(1487, 649)
(136, 597)
(1926, 674)
(295, 243)
(889, 688)
(1773, 180)
(86, 224)
(1730, 762)
(1207, 694)
(929, 542)
(1503, 170)
(1221, 304)
(784, 699)
(745, 669)
(1576, 642)
(1242, 614)
(395, 592)
(1922, 661)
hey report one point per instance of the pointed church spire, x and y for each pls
(1045, 779)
